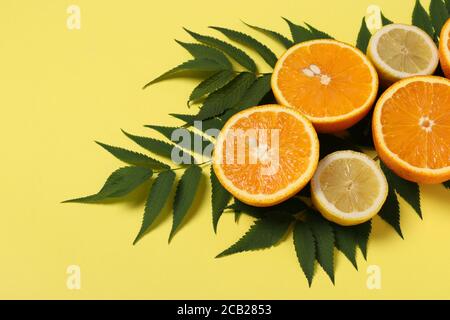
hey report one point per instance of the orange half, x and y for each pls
(333, 84)
(411, 129)
(444, 48)
(265, 155)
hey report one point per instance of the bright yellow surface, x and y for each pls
(62, 89)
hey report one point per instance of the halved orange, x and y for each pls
(444, 48)
(411, 129)
(265, 155)
(332, 83)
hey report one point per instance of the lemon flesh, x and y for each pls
(400, 51)
(348, 188)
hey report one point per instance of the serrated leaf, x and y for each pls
(237, 54)
(323, 233)
(201, 65)
(168, 131)
(331, 143)
(184, 196)
(133, 158)
(156, 200)
(158, 147)
(263, 234)
(447, 5)
(317, 34)
(305, 248)
(200, 51)
(274, 35)
(299, 33)
(291, 206)
(120, 183)
(385, 21)
(252, 97)
(346, 243)
(390, 212)
(188, 118)
(363, 36)
(362, 233)
(406, 189)
(269, 57)
(438, 15)
(227, 97)
(421, 19)
(212, 84)
(219, 199)
(447, 184)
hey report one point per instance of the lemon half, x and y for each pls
(400, 51)
(348, 188)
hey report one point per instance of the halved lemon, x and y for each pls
(348, 188)
(400, 51)
(265, 155)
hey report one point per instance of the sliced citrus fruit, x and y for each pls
(411, 129)
(333, 84)
(265, 155)
(400, 51)
(444, 48)
(348, 188)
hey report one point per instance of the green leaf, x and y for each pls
(167, 132)
(346, 243)
(200, 51)
(299, 33)
(363, 37)
(264, 234)
(439, 15)
(390, 212)
(184, 196)
(227, 97)
(120, 183)
(447, 184)
(157, 147)
(156, 200)
(317, 34)
(188, 118)
(362, 232)
(447, 5)
(323, 233)
(291, 206)
(385, 21)
(274, 35)
(421, 19)
(305, 248)
(331, 143)
(133, 158)
(237, 54)
(212, 84)
(219, 199)
(252, 97)
(269, 57)
(406, 189)
(201, 65)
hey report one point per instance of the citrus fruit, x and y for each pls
(265, 155)
(333, 84)
(348, 188)
(444, 48)
(411, 129)
(400, 51)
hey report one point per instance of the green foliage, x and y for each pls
(305, 248)
(212, 84)
(219, 199)
(439, 15)
(421, 19)
(299, 33)
(184, 196)
(237, 54)
(285, 42)
(269, 57)
(120, 183)
(390, 212)
(385, 21)
(317, 34)
(291, 206)
(346, 242)
(363, 37)
(200, 51)
(264, 234)
(156, 200)
(362, 233)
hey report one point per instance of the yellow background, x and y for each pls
(62, 89)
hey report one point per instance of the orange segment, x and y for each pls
(331, 83)
(444, 48)
(411, 127)
(264, 155)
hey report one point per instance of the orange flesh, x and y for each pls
(416, 124)
(294, 153)
(349, 88)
